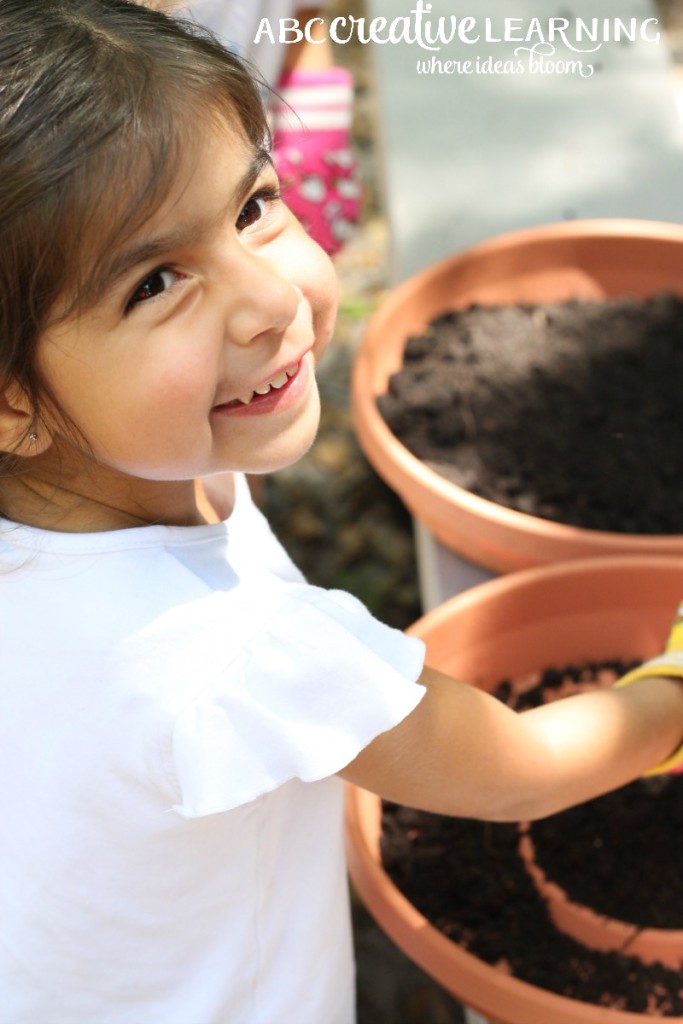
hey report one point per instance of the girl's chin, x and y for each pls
(283, 456)
(269, 455)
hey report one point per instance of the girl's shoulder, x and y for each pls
(290, 683)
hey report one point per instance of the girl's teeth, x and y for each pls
(277, 383)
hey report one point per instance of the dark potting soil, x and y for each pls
(621, 854)
(567, 411)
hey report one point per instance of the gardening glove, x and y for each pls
(670, 663)
(312, 153)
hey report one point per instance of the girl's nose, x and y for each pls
(264, 302)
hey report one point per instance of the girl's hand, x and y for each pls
(670, 663)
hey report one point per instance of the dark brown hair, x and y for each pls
(98, 98)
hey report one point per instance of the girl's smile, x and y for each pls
(276, 393)
(198, 356)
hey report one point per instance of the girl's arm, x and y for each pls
(462, 752)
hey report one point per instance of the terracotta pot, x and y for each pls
(598, 608)
(581, 259)
(651, 945)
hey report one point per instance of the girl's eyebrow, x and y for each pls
(124, 262)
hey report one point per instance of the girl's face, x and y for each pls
(198, 356)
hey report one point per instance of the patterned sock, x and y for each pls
(312, 153)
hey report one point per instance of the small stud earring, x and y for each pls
(33, 437)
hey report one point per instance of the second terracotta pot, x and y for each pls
(588, 609)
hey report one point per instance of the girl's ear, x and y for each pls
(20, 430)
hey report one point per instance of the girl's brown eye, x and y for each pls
(152, 286)
(256, 207)
(252, 211)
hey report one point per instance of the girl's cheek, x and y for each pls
(324, 306)
(323, 280)
(309, 267)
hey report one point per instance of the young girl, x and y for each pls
(179, 708)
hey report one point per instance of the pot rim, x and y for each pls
(513, 584)
(593, 929)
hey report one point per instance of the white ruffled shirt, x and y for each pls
(175, 703)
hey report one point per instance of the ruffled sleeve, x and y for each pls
(306, 693)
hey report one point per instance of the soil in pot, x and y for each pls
(622, 852)
(568, 411)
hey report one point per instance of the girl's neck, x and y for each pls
(51, 505)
